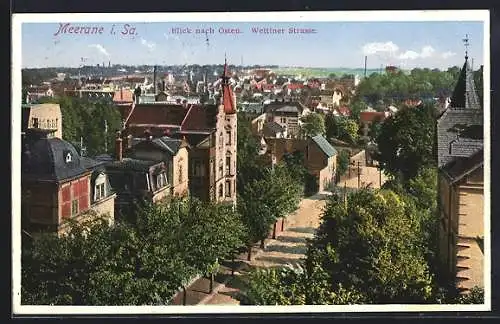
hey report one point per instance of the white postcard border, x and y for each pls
(334, 16)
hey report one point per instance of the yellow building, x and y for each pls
(461, 178)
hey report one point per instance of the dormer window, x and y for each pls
(100, 187)
(161, 180)
(68, 157)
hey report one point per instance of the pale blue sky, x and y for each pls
(335, 44)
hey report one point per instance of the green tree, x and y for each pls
(347, 130)
(312, 124)
(372, 243)
(406, 142)
(343, 161)
(264, 201)
(331, 126)
(246, 160)
(474, 296)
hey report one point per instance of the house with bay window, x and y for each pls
(58, 185)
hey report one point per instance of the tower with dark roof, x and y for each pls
(460, 126)
(460, 184)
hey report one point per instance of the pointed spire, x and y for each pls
(465, 95)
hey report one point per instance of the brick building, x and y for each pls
(209, 130)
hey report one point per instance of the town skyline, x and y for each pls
(313, 44)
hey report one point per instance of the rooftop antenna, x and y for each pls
(466, 44)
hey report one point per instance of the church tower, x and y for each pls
(227, 140)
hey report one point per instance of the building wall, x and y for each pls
(74, 190)
(49, 117)
(471, 213)
(180, 172)
(106, 207)
(40, 203)
(462, 222)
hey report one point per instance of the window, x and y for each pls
(74, 207)
(221, 168)
(197, 169)
(283, 120)
(161, 180)
(221, 190)
(221, 139)
(228, 165)
(68, 157)
(228, 135)
(228, 188)
(34, 122)
(99, 192)
(56, 123)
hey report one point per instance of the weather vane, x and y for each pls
(466, 44)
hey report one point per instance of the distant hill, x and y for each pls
(323, 72)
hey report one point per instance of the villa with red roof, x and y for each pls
(208, 129)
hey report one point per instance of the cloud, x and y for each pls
(391, 50)
(150, 45)
(380, 48)
(426, 52)
(409, 55)
(100, 48)
(448, 54)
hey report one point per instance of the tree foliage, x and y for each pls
(87, 120)
(373, 243)
(312, 124)
(406, 142)
(130, 264)
(342, 128)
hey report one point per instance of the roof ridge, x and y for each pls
(191, 106)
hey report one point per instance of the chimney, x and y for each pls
(154, 79)
(184, 103)
(119, 147)
(129, 141)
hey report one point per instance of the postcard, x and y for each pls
(260, 162)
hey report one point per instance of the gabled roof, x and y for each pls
(199, 118)
(133, 165)
(460, 167)
(272, 129)
(165, 114)
(285, 107)
(324, 145)
(165, 143)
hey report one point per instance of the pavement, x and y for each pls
(289, 247)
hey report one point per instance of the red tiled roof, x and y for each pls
(199, 118)
(154, 114)
(123, 95)
(369, 116)
(295, 86)
(228, 100)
